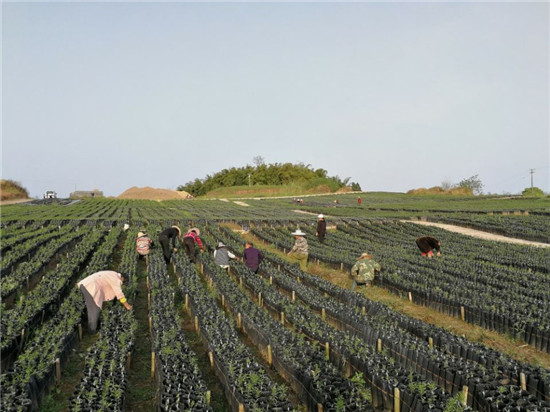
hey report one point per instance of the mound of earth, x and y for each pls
(151, 193)
(436, 190)
(12, 191)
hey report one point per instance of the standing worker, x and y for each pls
(321, 228)
(427, 245)
(189, 240)
(252, 257)
(299, 252)
(222, 256)
(172, 233)
(98, 288)
(364, 270)
(143, 245)
(359, 200)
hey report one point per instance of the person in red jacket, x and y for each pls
(189, 240)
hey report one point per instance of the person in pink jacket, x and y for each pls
(98, 288)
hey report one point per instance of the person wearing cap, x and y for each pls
(189, 240)
(171, 233)
(222, 256)
(98, 288)
(143, 244)
(299, 252)
(321, 228)
(427, 245)
(363, 271)
(252, 257)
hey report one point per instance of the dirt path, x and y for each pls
(479, 234)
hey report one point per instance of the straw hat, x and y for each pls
(194, 229)
(298, 233)
(321, 216)
(220, 244)
(141, 234)
(365, 256)
(178, 228)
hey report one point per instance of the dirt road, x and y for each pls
(479, 234)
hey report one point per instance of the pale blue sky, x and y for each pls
(394, 95)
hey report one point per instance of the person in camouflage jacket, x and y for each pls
(363, 270)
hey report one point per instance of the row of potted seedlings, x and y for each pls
(422, 344)
(303, 363)
(247, 384)
(180, 384)
(38, 367)
(104, 381)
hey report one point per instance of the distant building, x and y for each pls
(50, 194)
(85, 194)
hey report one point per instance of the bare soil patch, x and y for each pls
(151, 193)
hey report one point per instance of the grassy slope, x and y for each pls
(11, 190)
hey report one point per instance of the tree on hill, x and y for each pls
(275, 174)
(533, 191)
(474, 183)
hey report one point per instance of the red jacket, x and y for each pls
(195, 237)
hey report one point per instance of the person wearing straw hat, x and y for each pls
(222, 256)
(363, 271)
(299, 252)
(171, 233)
(189, 240)
(143, 245)
(321, 228)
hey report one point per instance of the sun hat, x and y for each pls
(321, 216)
(141, 234)
(178, 228)
(220, 244)
(194, 229)
(365, 256)
(298, 233)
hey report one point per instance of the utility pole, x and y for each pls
(532, 171)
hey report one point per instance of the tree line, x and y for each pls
(275, 174)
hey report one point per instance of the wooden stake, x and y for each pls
(239, 320)
(323, 314)
(128, 360)
(260, 299)
(293, 296)
(241, 407)
(208, 396)
(202, 268)
(379, 345)
(271, 280)
(152, 364)
(462, 313)
(410, 297)
(223, 301)
(342, 266)
(211, 357)
(279, 267)
(196, 323)
(79, 331)
(187, 302)
(58, 370)
(327, 350)
(431, 342)
(150, 325)
(363, 311)
(269, 355)
(464, 395)
(22, 339)
(283, 318)
(149, 301)
(319, 407)
(396, 400)
(523, 381)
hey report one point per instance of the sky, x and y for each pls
(393, 95)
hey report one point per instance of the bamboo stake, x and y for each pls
(363, 311)
(323, 314)
(208, 396)
(464, 395)
(58, 370)
(327, 350)
(196, 323)
(211, 357)
(462, 313)
(396, 400)
(379, 345)
(431, 342)
(269, 355)
(150, 326)
(223, 301)
(283, 318)
(271, 280)
(239, 320)
(410, 297)
(523, 381)
(293, 296)
(187, 302)
(319, 407)
(152, 364)
(241, 407)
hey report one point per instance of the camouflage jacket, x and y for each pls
(300, 247)
(363, 270)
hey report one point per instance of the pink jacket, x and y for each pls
(103, 286)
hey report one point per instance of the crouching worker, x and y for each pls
(98, 288)
(427, 245)
(143, 245)
(222, 256)
(363, 271)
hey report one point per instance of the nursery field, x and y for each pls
(202, 339)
